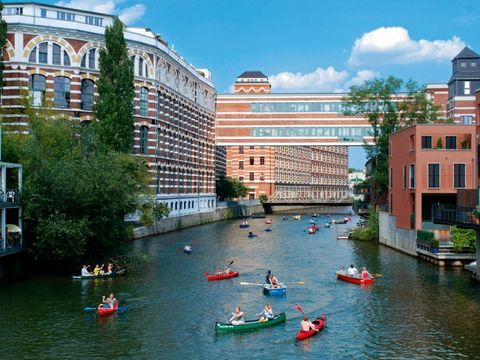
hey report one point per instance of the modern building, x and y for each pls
(463, 84)
(53, 51)
(11, 240)
(429, 164)
(306, 172)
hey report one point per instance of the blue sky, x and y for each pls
(309, 45)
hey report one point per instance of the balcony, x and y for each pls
(462, 217)
(10, 198)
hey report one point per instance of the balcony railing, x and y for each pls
(455, 215)
(10, 197)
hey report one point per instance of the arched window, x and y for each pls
(89, 59)
(87, 94)
(61, 97)
(143, 101)
(53, 54)
(37, 87)
(140, 66)
(144, 140)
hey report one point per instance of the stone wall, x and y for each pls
(400, 239)
(229, 211)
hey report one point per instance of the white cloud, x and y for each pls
(132, 13)
(361, 77)
(127, 15)
(320, 79)
(394, 45)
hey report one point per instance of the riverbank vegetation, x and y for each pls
(228, 188)
(370, 231)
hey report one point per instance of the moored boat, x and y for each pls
(103, 276)
(250, 324)
(106, 310)
(280, 290)
(212, 277)
(244, 225)
(319, 323)
(354, 279)
(187, 249)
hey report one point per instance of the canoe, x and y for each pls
(259, 216)
(281, 290)
(244, 226)
(268, 229)
(212, 277)
(104, 276)
(319, 323)
(187, 250)
(252, 235)
(268, 221)
(296, 217)
(354, 279)
(107, 310)
(250, 324)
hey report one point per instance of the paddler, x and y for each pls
(307, 325)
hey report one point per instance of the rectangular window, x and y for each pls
(252, 160)
(62, 15)
(390, 181)
(404, 177)
(450, 142)
(43, 53)
(93, 20)
(240, 165)
(240, 178)
(433, 175)
(240, 149)
(262, 160)
(252, 176)
(43, 13)
(426, 142)
(252, 147)
(459, 175)
(13, 11)
(412, 176)
(56, 54)
(466, 119)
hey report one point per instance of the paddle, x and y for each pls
(377, 275)
(247, 283)
(295, 282)
(299, 309)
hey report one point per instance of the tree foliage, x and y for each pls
(75, 198)
(379, 101)
(3, 41)
(114, 106)
(229, 188)
(463, 238)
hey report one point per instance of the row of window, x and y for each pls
(450, 143)
(433, 176)
(187, 205)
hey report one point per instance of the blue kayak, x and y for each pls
(280, 290)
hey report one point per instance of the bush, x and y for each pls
(370, 231)
(424, 236)
(263, 198)
(463, 238)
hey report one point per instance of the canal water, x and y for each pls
(414, 311)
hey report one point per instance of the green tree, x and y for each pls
(114, 106)
(3, 41)
(75, 198)
(228, 188)
(379, 101)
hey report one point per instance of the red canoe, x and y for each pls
(354, 279)
(107, 310)
(212, 277)
(268, 221)
(319, 325)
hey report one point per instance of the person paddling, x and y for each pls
(266, 314)
(108, 302)
(85, 271)
(307, 325)
(237, 317)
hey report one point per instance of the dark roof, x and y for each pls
(467, 53)
(252, 75)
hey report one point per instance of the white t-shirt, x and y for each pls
(352, 271)
(85, 272)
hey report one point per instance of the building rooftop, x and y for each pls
(249, 74)
(467, 53)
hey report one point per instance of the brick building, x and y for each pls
(54, 51)
(281, 171)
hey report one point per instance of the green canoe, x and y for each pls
(250, 324)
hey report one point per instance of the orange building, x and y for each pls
(428, 165)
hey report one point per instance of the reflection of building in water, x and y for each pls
(54, 51)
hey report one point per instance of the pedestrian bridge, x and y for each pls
(288, 120)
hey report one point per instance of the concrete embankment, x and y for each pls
(224, 211)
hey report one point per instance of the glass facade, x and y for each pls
(297, 106)
(354, 133)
